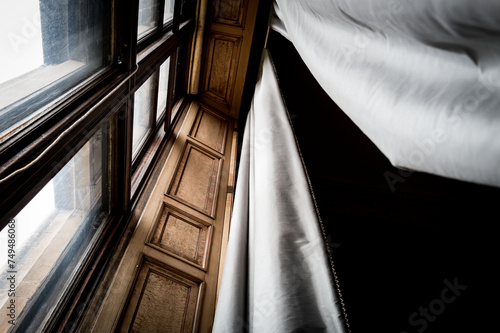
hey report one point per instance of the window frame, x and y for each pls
(149, 60)
(107, 96)
(27, 107)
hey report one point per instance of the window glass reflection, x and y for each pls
(53, 231)
(148, 17)
(47, 47)
(163, 88)
(168, 12)
(143, 107)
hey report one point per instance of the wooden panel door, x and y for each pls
(168, 276)
(228, 39)
(223, 53)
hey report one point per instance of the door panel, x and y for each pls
(197, 178)
(228, 39)
(210, 129)
(163, 300)
(181, 236)
(168, 276)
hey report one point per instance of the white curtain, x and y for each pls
(421, 78)
(277, 274)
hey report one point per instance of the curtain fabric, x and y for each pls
(277, 276)
(420, 78)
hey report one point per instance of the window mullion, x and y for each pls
(156, 84)
(126, 34)
(125, 138)
(170, 94)
(126, 50)
(177, 16)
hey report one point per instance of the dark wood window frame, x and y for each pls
(32, 156)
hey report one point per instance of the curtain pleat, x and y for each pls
(277, 276)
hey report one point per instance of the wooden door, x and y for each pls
(228, 40)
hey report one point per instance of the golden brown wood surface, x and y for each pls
(168, 276)
(228, 40)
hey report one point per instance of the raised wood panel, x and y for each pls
(163, 300)
(230, 12)
(227, 44)
(170, 253)
(196, 179)
(186, 238)
(222, 63)
(210, 129)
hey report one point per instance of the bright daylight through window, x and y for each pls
(163, 88)
(48, 47)
(86, 109)
(55, 229)
(143, 107)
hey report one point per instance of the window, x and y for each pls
(168, 12)
(161, 79)
(48, 47)
(143, 108)
(49, 236)
(163, 88)
(148, 17)
(179, 82)
(84, 108)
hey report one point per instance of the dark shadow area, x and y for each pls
(417, 257)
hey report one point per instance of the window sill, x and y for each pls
(24, 85)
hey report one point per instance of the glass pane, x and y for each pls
(143, 108)
(148, 17)
(47, 240)
(168, 13)
(163, 88)
(48, 47)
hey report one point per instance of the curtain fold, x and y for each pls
(420, 78)
(277, 275)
